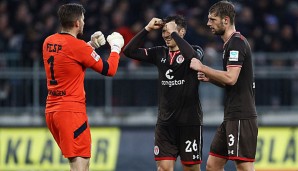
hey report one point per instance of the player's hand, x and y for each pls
(202, 77)
(155, 23)
(196, 64)
(97, 39)
(171, 27)
(116, 42)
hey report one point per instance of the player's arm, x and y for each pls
(204, 78)
(133, 48)
(221, 78)
(185, 48)
(109, 67)
(217, 77)
(234, 64)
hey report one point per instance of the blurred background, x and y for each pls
(128, 101)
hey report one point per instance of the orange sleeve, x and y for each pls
(85, 54)
(108, 67)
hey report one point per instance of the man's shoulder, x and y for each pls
(51, 37)
(238, 38)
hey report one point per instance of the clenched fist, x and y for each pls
(97, 39)
(116, 42)
(196, 64)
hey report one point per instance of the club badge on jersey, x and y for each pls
(179, 59)
(95, 56)
(156, 150)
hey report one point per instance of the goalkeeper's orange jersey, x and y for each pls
(65, 60)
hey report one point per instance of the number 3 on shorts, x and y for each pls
(232, 140)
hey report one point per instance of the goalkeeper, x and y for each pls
(65, 60)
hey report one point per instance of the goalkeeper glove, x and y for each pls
(116, 42)
(97, 40)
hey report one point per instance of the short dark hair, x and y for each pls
(222, 9)
(179, 20)
(69, 13)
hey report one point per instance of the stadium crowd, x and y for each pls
(269, 25)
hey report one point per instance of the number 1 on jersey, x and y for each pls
(51, 62)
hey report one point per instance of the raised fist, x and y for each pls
(116, 42)
(154, 24)
(97, 39)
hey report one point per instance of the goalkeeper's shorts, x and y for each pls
(71, 131)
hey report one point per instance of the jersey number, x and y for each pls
(232, 140)
(51, 62)
(191, 146)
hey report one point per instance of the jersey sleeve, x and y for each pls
(107, 67)
(134, 50)
(236, 52)
(155, 53)
(85, 54)
(185, 48)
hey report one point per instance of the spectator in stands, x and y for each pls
(24, 24)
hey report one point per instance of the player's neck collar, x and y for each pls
(66, 32)
(230, 37)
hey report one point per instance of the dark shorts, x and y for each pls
(183, 141)
(236, 140)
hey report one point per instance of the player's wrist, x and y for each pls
(203, 68)
(116, 48)
(148, 29)
(90, 44)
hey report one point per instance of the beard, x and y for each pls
(221, 31)
(80, 35)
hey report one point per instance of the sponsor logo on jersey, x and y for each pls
(234, 55)
(156, 150)
(179, 59)
(163, 60)
(172, 82)
(95, 56)
(168, 74)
